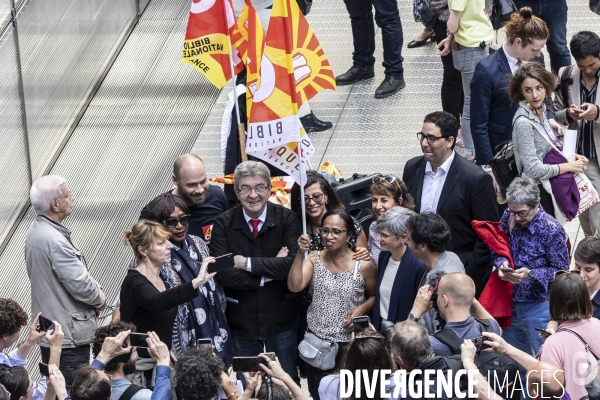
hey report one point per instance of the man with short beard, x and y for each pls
(205, 202)
(124, 364)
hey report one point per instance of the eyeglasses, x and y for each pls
(34, 386)
(389, 179)
(521, 214)
(384, 236)
(172, 222)
(259, 189)
(317, 198)
(373, 335)
(334, 232)
(430, 138)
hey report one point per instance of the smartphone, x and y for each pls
(360, 324)
(44, 324)
(271, 355)
(506, 269)
(138, 340)
(247, 364)
(44, 371)
(478, 343)
(583, 108)
(222, 262)
(205, 343)
(543, 332)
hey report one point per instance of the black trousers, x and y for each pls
(546, 201)
(70, 360)
(452, 90)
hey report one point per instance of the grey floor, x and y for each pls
(373, 135)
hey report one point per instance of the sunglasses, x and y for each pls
(317, 198)
(173, 222)
(389, 179)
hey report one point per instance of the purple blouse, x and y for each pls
(542, 248)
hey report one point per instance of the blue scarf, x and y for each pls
(206, 317)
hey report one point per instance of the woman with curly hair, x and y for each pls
(199, 376)
(386, 192)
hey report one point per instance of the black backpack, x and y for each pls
(501, 12)
(490, 365)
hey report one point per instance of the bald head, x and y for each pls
(545, 380)
(411, 344)
(189, 177)
(459, 287)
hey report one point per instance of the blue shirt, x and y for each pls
(162, 387)
(542, 248)
(467, 329)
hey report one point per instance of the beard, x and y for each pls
(190, 200)
(129, 367)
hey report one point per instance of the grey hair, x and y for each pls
(395, 220)
(251, 168)
(45, 190)
(593, 386)
(523, 190)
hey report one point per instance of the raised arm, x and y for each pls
(302, 269)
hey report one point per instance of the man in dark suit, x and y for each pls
(492, 111)
(456, 189)
(261, 311)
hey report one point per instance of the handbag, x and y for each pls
(424, 14)
(595, 6)
(305, 6)
(581, 188)
(317, 352)
(504, 166)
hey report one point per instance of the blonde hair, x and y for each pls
(144, 233)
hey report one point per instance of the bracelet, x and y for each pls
(231, 394)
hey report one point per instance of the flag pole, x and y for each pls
(302, 172)
(241, 130)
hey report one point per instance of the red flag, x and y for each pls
(207, 40)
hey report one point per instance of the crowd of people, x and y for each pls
(415, 274)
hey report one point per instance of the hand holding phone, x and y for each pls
(360, 324)
(543, 333)
(44, 371)
(138, 340)
(506, 269)
(45, 324)
(247, 364)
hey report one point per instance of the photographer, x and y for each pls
(12, 319)
(124, 364)
(455, 296)
(281, 387)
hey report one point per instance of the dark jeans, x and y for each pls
(314, 375)
(554, 14)
(363, 34)
(546, 201)
(452, 90)
(283, 345)
(70, 360)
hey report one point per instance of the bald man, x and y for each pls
(545, 381)
(205, 202)
(458, 307)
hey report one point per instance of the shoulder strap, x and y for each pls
(587, 346)
(542, 134)
(130, 392)
(449, 338)
(565, 81)
(484, 326)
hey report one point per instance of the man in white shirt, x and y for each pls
(456, 189)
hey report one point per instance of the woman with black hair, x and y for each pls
(17, 382)
(203, 316)
(342, 288)
(366, 352)
(319, 197)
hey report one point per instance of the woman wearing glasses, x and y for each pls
(386, 192)
(203, 316)
(319, 197)
(342, 287)
(538, 248)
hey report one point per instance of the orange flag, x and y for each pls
(207, 42)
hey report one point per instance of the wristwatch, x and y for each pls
(413, 317)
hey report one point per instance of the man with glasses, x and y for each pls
(454, 188)
(261, 311)
(538, 247)
(205, 202)
(61, 287)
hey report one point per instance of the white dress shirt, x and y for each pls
(433, 182)
(262, 219)
(512, 62)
